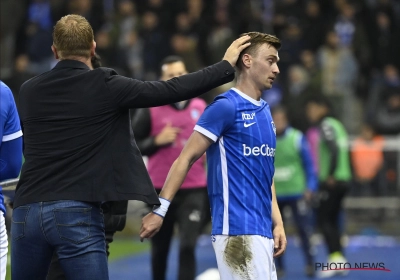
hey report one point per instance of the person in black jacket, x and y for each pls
(79, 152)
(114, 213)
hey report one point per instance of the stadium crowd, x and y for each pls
(342, 49)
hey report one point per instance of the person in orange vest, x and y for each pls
(367, 161)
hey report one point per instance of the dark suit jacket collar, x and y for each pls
(69, 63)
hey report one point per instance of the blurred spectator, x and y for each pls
(313, 26)
(367, 161)
(387, 117)
(339, 69)
(11, 18)
(304, 81)
(350, 30)
(123, 38)
(308, 61)
(296, 93)
(134, 55)
(220, 36)
(155, 45)
(286, 11)
(38, 32)
(92, 10)
(384, 40)
(161, 10)
(105, 48)
(20, 75)
(292, 45)
(382, 84)
(185, 47)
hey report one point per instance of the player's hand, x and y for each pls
(279, 240)
(233, 52)
(167, 135)
(151, 224)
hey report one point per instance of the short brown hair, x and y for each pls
(73, 36)
(257, 39)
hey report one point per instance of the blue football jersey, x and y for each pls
(240, 163)
(10, 127)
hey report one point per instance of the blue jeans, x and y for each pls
(72, 229)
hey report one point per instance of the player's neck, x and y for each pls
(249, 89)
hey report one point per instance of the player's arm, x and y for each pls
(193, 150)
(216, 119)
(277, 223)
(10, 159)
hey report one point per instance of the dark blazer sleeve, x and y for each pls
(131, 93)
(141, 126)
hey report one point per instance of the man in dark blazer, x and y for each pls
(79, 152)
(114, 213)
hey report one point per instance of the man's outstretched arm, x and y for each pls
(131, 93)
(193, 150)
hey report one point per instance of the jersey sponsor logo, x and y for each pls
(247, 117)
(263, 150)
(249, 124)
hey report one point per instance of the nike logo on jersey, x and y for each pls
(249, 124)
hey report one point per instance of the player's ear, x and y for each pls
(54, 50)
(246, 59)
(93, 49)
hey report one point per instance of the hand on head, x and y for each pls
(234, 50)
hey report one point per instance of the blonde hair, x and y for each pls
(73, 36)
(257, 39)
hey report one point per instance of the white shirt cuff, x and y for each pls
(205, 132)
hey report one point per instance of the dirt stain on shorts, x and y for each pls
(238, 255)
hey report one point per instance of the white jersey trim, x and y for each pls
(225, 186)
(245, 96)
(205, 132)
(12, 136)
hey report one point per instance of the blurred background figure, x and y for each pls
(334, 174)
(295, 182)
(367, 161)
(161, 133)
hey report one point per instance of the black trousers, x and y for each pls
(187, 211)
(329, 207)
(300, 218)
